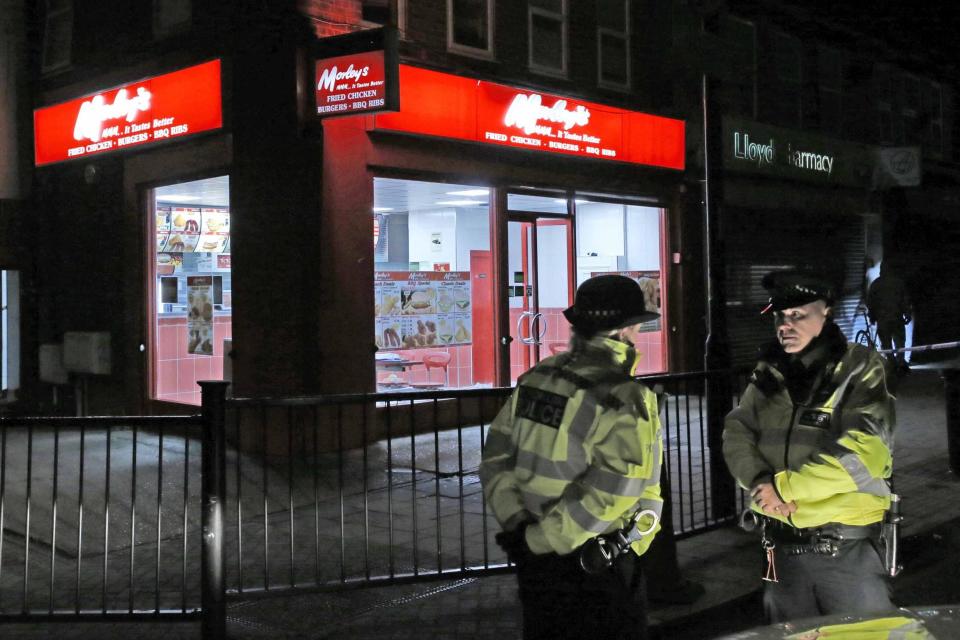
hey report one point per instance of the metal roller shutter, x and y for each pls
(759, 241)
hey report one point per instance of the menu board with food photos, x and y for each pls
(422, 309)
(193, 229)
(649, 282)
(200, 315)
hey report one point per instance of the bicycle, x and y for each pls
(868, 335)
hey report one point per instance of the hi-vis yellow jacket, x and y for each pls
(577, 449)
(829, 452)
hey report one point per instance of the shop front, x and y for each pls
(129, 144)
(488, 205)
(192, 206)
(793, 199)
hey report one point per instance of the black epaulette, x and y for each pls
(765, 381)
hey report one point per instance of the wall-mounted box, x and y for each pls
(87, 352)
(51, 364)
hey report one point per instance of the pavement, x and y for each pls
(725, 561)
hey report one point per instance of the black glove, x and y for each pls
(514, 543)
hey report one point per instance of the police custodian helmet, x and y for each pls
(608, 302)
(795, 288)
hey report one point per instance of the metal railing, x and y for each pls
(110, 517)
(348, 490)
(101, 517)
(343, 491)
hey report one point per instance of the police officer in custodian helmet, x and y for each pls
(571, 470)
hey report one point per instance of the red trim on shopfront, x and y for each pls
(449, 106)
(157, 109)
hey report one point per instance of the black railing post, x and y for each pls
(213, 490)
(719, 403)
(951, 389)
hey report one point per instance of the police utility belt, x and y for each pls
(826, 540)
(793, 541)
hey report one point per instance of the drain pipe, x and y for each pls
(715, 360)
(707, 224)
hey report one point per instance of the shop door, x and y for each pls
(539, 287)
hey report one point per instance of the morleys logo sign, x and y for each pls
(157, 109)
(330, 76)
(95, 112)
(526, 112)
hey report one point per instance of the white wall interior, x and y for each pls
(599, 229)
(643, 239)
(427, 226)
(473, 234)
(552, 266)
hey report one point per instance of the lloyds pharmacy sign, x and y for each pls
(752, 147)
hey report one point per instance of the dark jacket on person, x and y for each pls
(819, 426)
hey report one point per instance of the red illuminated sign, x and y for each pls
(448, 106)
(170, 106)
(347, 85)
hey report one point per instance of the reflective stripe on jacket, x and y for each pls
(577, 449)
(831, 454)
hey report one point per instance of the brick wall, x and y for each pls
(333, 17)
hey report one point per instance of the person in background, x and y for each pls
(812, 442)
(888, 304)
(574, 457)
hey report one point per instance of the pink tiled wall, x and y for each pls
(178, 371)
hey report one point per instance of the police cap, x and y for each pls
(608, 302)
(795, 288)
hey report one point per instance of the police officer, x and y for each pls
(575, 454)
(811, 441)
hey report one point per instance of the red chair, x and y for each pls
(437, 360)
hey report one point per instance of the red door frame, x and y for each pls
(531, 219)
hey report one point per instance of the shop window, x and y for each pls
(830, 89)
(628, 239)
(375, 12)
(57, 35)
(932, 105)
(613, 43)
(190, 287)
(9, 334)
(433, 295)
(402, 19)
(784, 103)
(170, 16)
(884, 92)
(910, 109)
(547, 20)
(470, 27)
(739, 42)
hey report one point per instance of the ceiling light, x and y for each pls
(462, 203)
(177, 198)
(469, 192)
(382, 209)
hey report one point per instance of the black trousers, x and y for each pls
(815, 585)
(560, 600)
